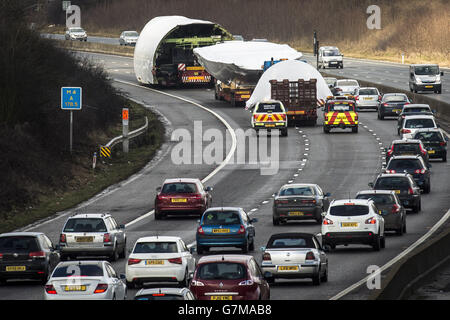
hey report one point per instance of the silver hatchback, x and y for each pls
(92, 234)
(367, 98)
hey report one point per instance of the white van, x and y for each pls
(425, 77)
(330, 57)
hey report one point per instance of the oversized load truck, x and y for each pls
(299, 98)
(234, 93)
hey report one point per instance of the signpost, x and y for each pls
(65, 5)
(125, 117)
(71, 99)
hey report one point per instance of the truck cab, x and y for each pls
(340, 113)
(425, 77)
(270, 115)
(330, 57)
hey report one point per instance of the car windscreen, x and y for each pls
(297, 191)
(349, 210)
(221, 218)
(131, 34)
(379, 199)
(416, 110)
(78, 270)
(156, 247)
(395, 99)
(76, 30)
(368, 92)
(19, 244)
(331, 53)
(85, 225)
(159, 296)
(221, 271)
(347, 83)
(331, 81)
(341, 107)
(392, 183)
(399, 165)
(179, 187)
(429, 136)
(407, 147)
(269, 108)
(426, 70)
(419, 123)
(290, 242)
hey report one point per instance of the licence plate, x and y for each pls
(396, 110)
(287, 268)
(431, 151)
(84, 239)
(349, 224)
(179, 200)
(428, 86)
(397, 191)
(221, 230)
(296, 213)
(270, 125)
(221, 297)
(245, 96)
(16, 268)
(75, 288)
(153, 262)
(368, 98)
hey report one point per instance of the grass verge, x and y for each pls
(88, 182)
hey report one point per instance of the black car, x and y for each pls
(415, 166)
(392, 104)
(413, 110)
(404, 186)
(407, 147)
(26, 255)
(434, 141)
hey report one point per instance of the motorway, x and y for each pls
(342, 163)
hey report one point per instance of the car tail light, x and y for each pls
(406, 131)
(1, 255)
(410, 191)
(62, 238)
(356, 97)
(281, 201)
(443, 143)
(424, 152)
(390, 171)
(406, 103)
(106, 237)
(196, 283)
(379, 98)
(356, 117)
(200, 230)
(50, 289)
(421, 171)
(266, 256)
(246, 283)
(132, 261)
(371, 220)
(385, 104)
(37, 254)
(310, 256)
(327, 221)
(395, 208)
(241, 229)
(308, 201)
(101, 287)
(391, 151)
(176, 260)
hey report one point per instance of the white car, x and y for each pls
(128, 38)
(159, 259)
(367, 98)
(330, 57)
(413, 123)
(353, 221)
(85, 280)
(76, 34)
(346, 87)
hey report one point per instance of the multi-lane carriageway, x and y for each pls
(341, 163)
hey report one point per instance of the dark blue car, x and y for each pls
(225, 227)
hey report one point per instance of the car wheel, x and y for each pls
(355, 129)
(404, 228)
(381, 116)
(427, 188)
(114, 256)
(2, 281)
(275, 221)
(399, 231)
(123, 252)
(199, 249)
(376, 243)
(444, 158)
(158, 215)
(316, 279)
(325, 276)
(245, 247)
(130, 285)
(284, 132)
(251, 247)
(45, 277)
(184, 283)
(383, 242)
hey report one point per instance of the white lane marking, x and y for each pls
(394, 260)
(227, 125)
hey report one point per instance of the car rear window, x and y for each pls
(395, 98)
(297, 191)
(416, 110)
(340, 107)
(407, 147)
(419, 123)
(368, 92)
(156, 247)
(404, 164)
(347, 83)
(392, 183)
(290, 242)
(378, 198)
(85, 225)
(222, 271)
(179, 187)
(429, 136)
(159, 296)
(78, 270)
(269, 108)
(221, 218)
(349, 210)
(19, 244)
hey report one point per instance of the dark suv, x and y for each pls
(404, 186)
(407, 147)
(415, 166)
(26, 255)
(434, 141)
(392, 104)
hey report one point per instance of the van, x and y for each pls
(330, 57)
(425, 77)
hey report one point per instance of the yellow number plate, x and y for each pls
(288, 268)
(221, 230)
(75, 288)
(152, 262)
(179, 200)
(431, 151)
(349, 224)
(16, 268)
(397, 191)
(428, 86)
(245, 96)
(396, 110)
(84, 239)
(221, 297)
(270, 125)
(368, 98)
(296, 213)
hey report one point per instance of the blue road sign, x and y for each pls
(71, 98)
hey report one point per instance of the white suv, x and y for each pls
(353, 221)
(413, 123)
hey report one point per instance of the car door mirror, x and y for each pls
(253, 220)
(129, 250)
(209, 189)
(122, 226)
(327, 195)
(198, 221)
(158, 189)
(122, 276)
(370, 184)
(192, 250)
(442, 73)
(262, 249)
(324, 214)
(268, 275)
(56, 247)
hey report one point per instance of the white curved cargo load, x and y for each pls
(150, 39)
(242, 61)
(291, 70)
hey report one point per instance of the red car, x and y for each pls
(182, 196)
(229, 277)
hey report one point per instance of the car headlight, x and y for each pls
(418, 80)
(438, 78)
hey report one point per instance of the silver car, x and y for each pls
(128, 38)
(367, 98)
(92, 234)
(164, 294)
(85, 280)
(346, 87)
(295, 256)
(76, 33)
